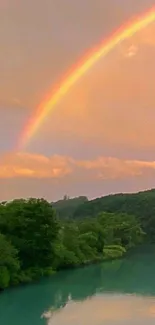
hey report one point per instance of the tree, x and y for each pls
(9, 264)
(113, 251)
(32, 227)
(141, 205)
(33, 241)
(121, 229)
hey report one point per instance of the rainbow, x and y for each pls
(80, 69)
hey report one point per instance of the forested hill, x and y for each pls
(67, 206)
(34, 242)
(140, 204)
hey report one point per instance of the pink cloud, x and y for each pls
(26, 165)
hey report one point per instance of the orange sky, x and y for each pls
(109, 113)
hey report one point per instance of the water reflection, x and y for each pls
(107, 309)
(117, 292)
(120, 288)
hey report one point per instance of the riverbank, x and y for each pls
(34, 276)
(130, 279)
(34, 242)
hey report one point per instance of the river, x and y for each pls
(119, 292)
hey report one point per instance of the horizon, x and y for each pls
(76, 197)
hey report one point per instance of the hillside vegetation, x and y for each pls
(35, 242)
(141, 205)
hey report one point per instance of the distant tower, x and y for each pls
(66, 197)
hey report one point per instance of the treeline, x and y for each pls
(141, 204)
(34, 242)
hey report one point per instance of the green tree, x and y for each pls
(32, 227)
(33, 241)
(121, 229)
(9, 264)
(113, 251)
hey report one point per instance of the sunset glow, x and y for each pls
(47, 106)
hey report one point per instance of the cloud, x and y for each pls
(34, 166)
(27, 165)
(132, 51)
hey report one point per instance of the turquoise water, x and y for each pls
(113, 293)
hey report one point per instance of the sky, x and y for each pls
(100, 138)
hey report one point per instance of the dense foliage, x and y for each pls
(34, 242)
(141, 204)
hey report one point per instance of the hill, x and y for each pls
(67, 207)
(35, 243)
(141, 204)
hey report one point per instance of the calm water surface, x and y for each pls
(114, 293)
